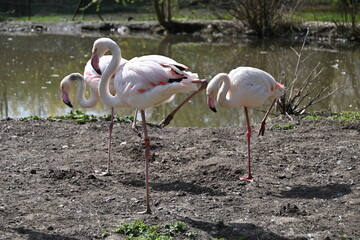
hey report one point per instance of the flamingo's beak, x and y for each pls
(95, 62)
(211, 102)
(66, 99)
(213, 109)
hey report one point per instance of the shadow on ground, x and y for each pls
(234, 230)
(33, 235)
(321, 192)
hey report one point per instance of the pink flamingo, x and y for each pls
(248, 87)
(143, 83)
(92, 79)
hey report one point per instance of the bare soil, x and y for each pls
(306, 180)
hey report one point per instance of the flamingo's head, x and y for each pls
(100, 47)
(212, 90)
(211, 101)
(67, 84)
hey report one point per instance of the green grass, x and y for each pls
(319, 17)
(285, 126)
(314, 117)
(344, 237)
(321, 13)
(80, 117)
(51, 18)
(138, 230)
(346, 116)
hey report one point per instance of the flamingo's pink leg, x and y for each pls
(170, 117)
(111, 125)
(248, 134)
(134, 126)
(147, 160)
(263, 122)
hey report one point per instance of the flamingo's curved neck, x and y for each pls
(223, 80)
(104, 90)
(80, 95)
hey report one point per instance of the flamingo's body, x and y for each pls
(247, 87)
(145, 82)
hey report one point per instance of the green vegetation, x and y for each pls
(264, 17)
(345, 237)
(322, 12)
(314, 117)
(285, 126)
(346, 116)
(328, 16)
(80, 117)
(138, 230)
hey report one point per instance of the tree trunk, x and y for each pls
(173, 26)
(77, 10)
(29, 9)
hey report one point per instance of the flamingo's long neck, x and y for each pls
(80, 95)
(223, 80)
(104, 90)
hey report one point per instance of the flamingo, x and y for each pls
(92, 79)
(143, 83)
(248, 87)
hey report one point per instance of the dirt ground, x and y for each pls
(306, 180)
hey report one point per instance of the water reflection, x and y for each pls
(34, 64)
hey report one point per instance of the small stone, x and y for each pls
(91, 176)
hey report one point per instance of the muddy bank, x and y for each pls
(307, 181)
(318, 30)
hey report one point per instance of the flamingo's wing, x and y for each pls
(163, 61)
(140, 75)
(250, 86)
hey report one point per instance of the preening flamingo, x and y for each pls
(92, 79)
(143, 83)
(247, 87)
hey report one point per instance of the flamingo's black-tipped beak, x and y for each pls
(211, 102)
(95, 63)
(66, 99)
(98, 71)
(213, 109)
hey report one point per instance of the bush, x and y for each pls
(264, 17)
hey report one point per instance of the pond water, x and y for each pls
(33, 64)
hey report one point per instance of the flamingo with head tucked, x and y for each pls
(144, 83)
(92, 79)
(247, 87)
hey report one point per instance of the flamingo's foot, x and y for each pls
(147, 211)
(136, 130)
(105, 174)
(166, 121)
(262, 130)
(249, 178)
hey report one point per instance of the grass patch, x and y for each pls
(285, 126)
(50, 18)
(78, 116)
(346, 116)
(138, 230)
(314, 117)
(81, 118)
